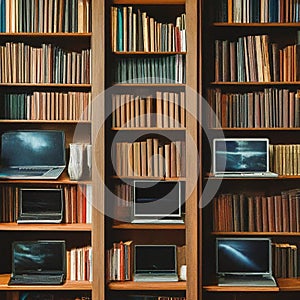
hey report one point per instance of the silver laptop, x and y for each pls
(244, 262)
(157, 202)
(236, 157)
(38, 205)
(41, 262)
(155, 263)
(32, 154)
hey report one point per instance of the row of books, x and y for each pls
(77, 200)
(47, 106)
(270, 108)
(120, 261)
(284, 260)
(164, 69)
(258, 11)
(257, 213)
(150, 158)
(285, 159)
(79, 263)
(42, 295)
(78, 203)
(21, 63)
(136, 31)
(254, 59)
(45, 16)
(165, 110)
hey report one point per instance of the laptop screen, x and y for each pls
(243, 256)
(39, 257)
(241, 155)
(40, 201)
(155, 259)
(157, 199)
(33, 148)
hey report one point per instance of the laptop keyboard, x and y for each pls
(36, 280)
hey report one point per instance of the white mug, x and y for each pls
(182, 272)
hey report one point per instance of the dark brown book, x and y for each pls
(271, 213)
(258, 213)
(251, 214)
(264, 208)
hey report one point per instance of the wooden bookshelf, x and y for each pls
(215, 28)
(76, 235)
(178, 234)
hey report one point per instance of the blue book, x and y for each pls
(273, 11)
(120, 30)
(2, 16)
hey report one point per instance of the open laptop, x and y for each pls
(155, 263)
(32, 154)
(157, 202)
(244, 262)
(236, 157)
(38, 205)
(39, 262)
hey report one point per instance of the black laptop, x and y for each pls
(32, 154)
(40, 205)
(41, 262)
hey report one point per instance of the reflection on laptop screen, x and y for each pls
(157, 199)
(40, 201)
(241, 155)
(38, 257)
(243, 256)
(155, 259)
(33, 148)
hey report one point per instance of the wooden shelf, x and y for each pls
(284, 285)
(47, 121)
(150, 85)
(257, 129)
(128, 226)
(274, 24)
(69, 285)
(216, 288)
(47, 34)
(145, 286)
(252, 83)
(147, 53)
(48, 85)
(148, 129)
(149, 2)
(151, 178)
(256, 233)
(289, 284)
(63, 179)
(253, 178)
(45, 227)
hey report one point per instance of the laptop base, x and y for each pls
(31, 279)
(155, 278)
(157, 221)
(36, 219)
(255, 174)
(247, 281)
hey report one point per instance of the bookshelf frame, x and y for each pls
(287, 287)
